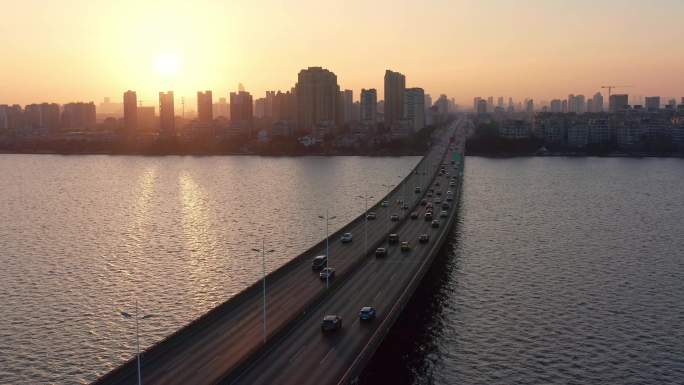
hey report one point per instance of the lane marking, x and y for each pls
(326, 355)
(297, 353)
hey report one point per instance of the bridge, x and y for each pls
(231, 344)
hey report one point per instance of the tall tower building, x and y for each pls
(598, 102)
(414, 107)
(205, 107)
(241, 109)
(369, 105)
(318, 95)
(618, 102)
(395, 85)
(428, 101)
(130, 104)
(652, 103)
(167, 115)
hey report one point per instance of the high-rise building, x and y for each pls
(260, 108)
(652, 103)
(556, 105)
(369, 104)
(79, 115)
(241, 109)
(564, 106)
(318, 96)
(598, 102)
(590, 105)
(414, 107)
(476, 104)
(580, 104)
(49, 116)
(490, 104)
(530, 106)
(268, 104)
(500, 102)
(285, 106)
(32, 116)
(618, 102)
(428, 101)
(130, 106)
(572, 103)
(348, 104)
(481, 106)
(167, 116)
(395, 85)
(205, 107)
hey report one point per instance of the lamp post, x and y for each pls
(365, 225)
(387, 212)
(137, 333)
(263, 252)
(327, 244)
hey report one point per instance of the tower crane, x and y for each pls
(610, 89)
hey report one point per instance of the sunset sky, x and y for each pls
(74, 50)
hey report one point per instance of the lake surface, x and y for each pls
(83, 237)
(560, 271)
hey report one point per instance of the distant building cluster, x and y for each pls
(315, 109)
(579, 124)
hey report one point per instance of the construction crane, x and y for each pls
(610, 89)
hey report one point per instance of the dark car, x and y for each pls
(381, 252)
(428, 216)
(424, 238)
(393, 238)
(327, 273)
(331, 323)
(417, 190)
(414, 215)
(435, 223)
(319, 262)
(445, 206)
(405, 246)
(367, 313)
(423, 202)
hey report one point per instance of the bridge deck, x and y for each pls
(307, 356)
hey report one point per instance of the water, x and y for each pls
(561, 271)
(82, 237)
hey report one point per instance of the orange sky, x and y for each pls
(84, 50)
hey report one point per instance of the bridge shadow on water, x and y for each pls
(407, 354)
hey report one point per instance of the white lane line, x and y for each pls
(296, 355)
(376, 295)
(392, 277)
(326, 355)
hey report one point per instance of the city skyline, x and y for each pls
(460, 49)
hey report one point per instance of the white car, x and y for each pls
(444, 214)
(347, 237)
(384, 204)
(327, 273)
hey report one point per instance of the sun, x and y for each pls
(167, 64)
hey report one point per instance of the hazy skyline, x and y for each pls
(86, 50)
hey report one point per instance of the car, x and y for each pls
(437, 184)
(393, 238)
(423, 202)
(327, 273)
(371, 216)
(429, 195)
(394, 217)
(346, 237)
(381, 252)
(384, 204)
(445, 206)
(405, 206)
(438, 201)
(452, 184)
(435, 223)
(405, 246)
(331, 323)
(428, 216)
(319, 262)
(443, 214)
(367, 313)
(424, 238)
(439, 193)
(417, 190)
(450, 198)
(414, 215)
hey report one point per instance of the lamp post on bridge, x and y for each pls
(263, 252)
(387, 211)
(137, 333)
(365, 225)
(327, 244)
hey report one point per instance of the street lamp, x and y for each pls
(137, 333)
(263, 252)
(365, 225)
(327, 244)
(387, 211)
